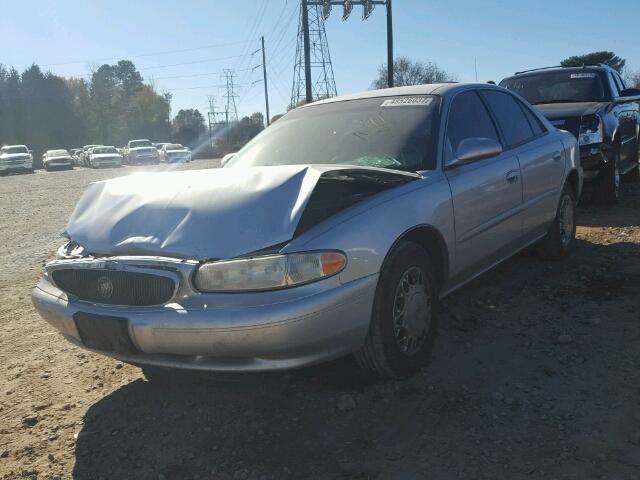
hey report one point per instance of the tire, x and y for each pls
(388, 351)
(607, 188)
(558, 242)
(46, 168)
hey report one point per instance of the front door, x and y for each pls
(486, 194)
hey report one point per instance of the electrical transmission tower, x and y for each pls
(319, 69)
(230, 95)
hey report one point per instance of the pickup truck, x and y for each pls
(593, 103)
(139, 152)
(15, 158)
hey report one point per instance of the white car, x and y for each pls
(104, 157)
(15, 158)
(53, 159)
(174, 152)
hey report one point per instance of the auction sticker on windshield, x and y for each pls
(583, 75)
(405, 101)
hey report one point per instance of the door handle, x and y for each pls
(557, 156)
(512, 176)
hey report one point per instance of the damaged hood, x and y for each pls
(555, 111)
(198, 214)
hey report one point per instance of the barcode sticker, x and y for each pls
(407, 101)
(583, 75)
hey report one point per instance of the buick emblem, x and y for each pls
(105, 287)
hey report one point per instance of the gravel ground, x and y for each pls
(535, 375)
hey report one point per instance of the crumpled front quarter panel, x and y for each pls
(200, 214)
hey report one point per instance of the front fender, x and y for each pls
(367, 231)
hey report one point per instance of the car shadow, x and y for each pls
(332, 421)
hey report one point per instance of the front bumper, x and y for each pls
(144, 158)
(592, 159)
(60, 164)
(22, 166)
(231, 332)
(106, 163)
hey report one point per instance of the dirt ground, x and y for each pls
(536, 374)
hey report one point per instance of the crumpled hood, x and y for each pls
(202, 214)
(554, 111)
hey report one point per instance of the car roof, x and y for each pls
(12, 146)
(585, 68)
(426, 89)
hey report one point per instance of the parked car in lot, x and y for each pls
(75, 155)
(104, 157)
(593, 103)
(84, 155)
(174, 152)
(15, 158)
(140, 152)
(57, 159)
(160, 145)
(334, 231)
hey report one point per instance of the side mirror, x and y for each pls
(226, 159)
(473, 149)
(630, 92)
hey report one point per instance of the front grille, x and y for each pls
(115, 287)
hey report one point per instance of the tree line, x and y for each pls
(114, 105)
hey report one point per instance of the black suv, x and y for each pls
(593, 103)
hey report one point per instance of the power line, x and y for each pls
(193, 62)
(141, 55)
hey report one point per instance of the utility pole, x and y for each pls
(212, 116)
(264, 72)
(389, 45)
(307, 52)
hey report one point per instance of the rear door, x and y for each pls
(486, 194)
(541, 158)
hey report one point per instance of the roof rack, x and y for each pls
(584, 65)
(536, 69)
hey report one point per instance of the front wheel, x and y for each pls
(403, 322)
(558, 242)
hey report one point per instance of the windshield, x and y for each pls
(140, 143)
(389, 132)
(174, 146)
(104, 150)
(12, 150)
(58, 153)
(558, 87)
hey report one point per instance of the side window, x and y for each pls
(510, 117)
(619, 81)
(468, 118)
(615, 88)
(537, 127)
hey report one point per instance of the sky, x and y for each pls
(184, 46)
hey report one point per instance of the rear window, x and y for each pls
(558, 87)
(57, 153)
(140, 143)
(98, 150)
(174, 146)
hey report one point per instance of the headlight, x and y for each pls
(71, 250)
(269, 272)
(590, 130)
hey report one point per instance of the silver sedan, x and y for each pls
(333, 232)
